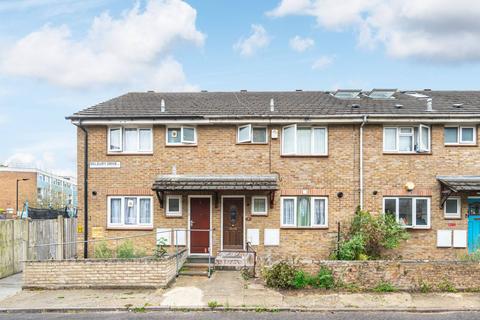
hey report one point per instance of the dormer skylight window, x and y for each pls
(417, 95)
(347, 94)
(382, 94)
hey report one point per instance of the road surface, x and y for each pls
(246, 316)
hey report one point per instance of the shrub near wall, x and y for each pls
(102, 273)
(408, 275)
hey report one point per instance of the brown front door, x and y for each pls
(232, 223)
(199, 225)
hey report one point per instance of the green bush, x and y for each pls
(281, 275)
(352, 248)
(369, 235)
(474, 256)
(446, 286)
(323, 279)
(384, 286)
(102, 251)
(127, 251)
(301, 279)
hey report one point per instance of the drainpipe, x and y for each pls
(85, 191)
(361, 161)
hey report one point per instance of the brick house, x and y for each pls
(280, 169)
(40, 188)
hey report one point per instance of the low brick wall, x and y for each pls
(108, 273)
(402, 274)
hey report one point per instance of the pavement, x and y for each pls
(226, 291)
(246, 316)
(10, 286)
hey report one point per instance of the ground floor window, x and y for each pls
(452, 208)
(129, 211)
(304, 212)
(411, 212)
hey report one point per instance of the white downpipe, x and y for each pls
(361, 161)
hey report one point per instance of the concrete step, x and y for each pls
(197, 265)
(200, 259)
(193, 273)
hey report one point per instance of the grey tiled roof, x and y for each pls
(215, 182)
(146, 105)
(460, 183)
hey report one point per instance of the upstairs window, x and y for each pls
(130, 140)
(459, 135)
(406, 139)
(182, 135)
(251, 134)
(409, 212)
(304, 141)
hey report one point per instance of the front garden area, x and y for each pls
(362, 261)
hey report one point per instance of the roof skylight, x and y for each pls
(417, 95)
(382, 93)
(347, 94)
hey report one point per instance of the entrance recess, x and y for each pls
(233, 223)
(200, 224)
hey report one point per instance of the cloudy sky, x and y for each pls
(59, 56)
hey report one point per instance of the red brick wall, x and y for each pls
(27, 190)
(218, 153)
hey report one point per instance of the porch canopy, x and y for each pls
(451, 184)
(215, 183)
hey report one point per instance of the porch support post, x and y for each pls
(272, 199)
(215, 199)
(160, 197)
(444, 194)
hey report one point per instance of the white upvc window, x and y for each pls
(405, 139)
(452, 208)
(460, 135)
(259, 206)
(182, 135)
(129, 212)
(252, 134)
(410, 212)
(304, 212)
(304, 141)
(130, 140)
(174, 206)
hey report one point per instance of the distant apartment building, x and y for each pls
(40, 188)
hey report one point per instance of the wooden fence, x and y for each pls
(22, 240)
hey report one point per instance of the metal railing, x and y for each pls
(157, 234)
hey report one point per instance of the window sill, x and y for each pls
(452, 218)
(173, 216)
(150, 153)
(180, 145)
(133, 228)
(304, 228)
(417, 228)
(259, 214)
(252, 143)
(461, 145)
(304, 156)
(407, 153)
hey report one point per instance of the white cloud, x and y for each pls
(115, 51)
(53, 155)
(322, 63)
(300, 44)
(257, 40)
(438, 30)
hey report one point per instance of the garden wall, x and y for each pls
(108, 273)
(402, 274)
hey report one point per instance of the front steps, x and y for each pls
(225, 260)
(196, 266)
(234, 260)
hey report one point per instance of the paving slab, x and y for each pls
(229, 290)
(10, 286)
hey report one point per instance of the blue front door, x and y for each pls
(473, 224)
